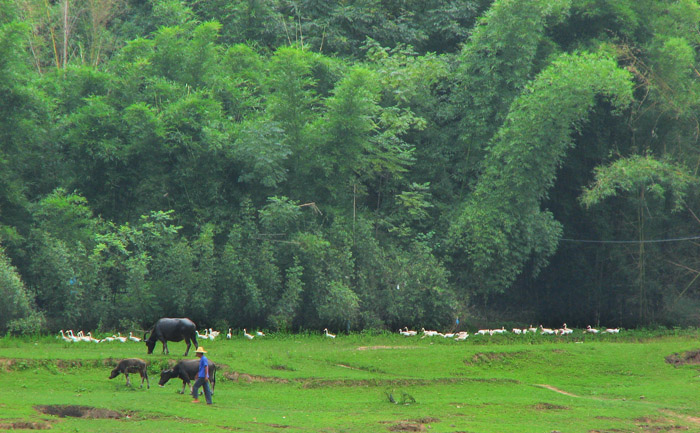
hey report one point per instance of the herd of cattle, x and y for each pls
(185, 369)
(166, 329)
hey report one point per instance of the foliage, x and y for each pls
(17, 313)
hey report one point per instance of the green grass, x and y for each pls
(519, 384)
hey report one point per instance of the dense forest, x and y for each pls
(301, 164)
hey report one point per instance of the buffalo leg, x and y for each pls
(127, 378)
(144, 376)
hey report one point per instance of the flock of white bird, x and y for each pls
(80, 336)
(210, 334)
(462, 335)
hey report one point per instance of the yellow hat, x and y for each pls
(200, 349)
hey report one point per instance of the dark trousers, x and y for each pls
(207, 391)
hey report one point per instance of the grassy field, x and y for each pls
(308, 383)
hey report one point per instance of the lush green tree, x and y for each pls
(654, 187)
(17, 314)
(501, 227)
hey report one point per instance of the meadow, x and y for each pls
(364, 382)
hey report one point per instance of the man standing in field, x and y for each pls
(202, 377)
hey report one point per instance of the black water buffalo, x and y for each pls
(187, 370)
(168, 329)
(131, 365)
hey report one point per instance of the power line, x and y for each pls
(646, 241)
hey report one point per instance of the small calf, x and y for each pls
(131, 365)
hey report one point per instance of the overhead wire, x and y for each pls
(639, 241)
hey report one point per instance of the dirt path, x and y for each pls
(552, 388)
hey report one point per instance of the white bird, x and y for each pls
(327, 334)
(483, 331)
(449, 335)
(248, 336)
(132, 338)
(591, 330)
(499, 331)
(108, 339)
(213, 334)
(259, 333)
(404, 333)
(409, 331)
(612, 330)
(92, 339)
(119, 337)
(517, 331)
(461, 336)
(229, 335)
(429, 333)
(546, 330)
(72, 337)
(565, 331)
(204, 336)
(65, 337)
(532, 329)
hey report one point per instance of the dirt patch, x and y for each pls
(79, 411)
(386, 347)
(549, 406)
(692, 419)
(407, 426)
(321, 383)
(18, 364)
(282, 368)
(689, 357)
(551, 388)
(412, 424)
(489, 357)
(25, 425)
(245, 377)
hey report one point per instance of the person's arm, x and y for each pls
(206, 372)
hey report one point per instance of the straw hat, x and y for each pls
(200, 349)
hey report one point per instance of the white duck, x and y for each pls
(591, 330)
(547, 331)
(248, 336)
(325, 332)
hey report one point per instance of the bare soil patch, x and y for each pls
(408, 426)
(25, 425)
(420, 424)
(549, 406)
(689, 357)
(386, 347)
(79, 411)
(552, 388)
(245, 377)
(489, 357)
(282, 367)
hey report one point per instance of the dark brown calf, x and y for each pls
(131, 365)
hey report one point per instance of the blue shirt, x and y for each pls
(203, 364)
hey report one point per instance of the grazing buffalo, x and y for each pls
(131, 365)
(168, 329)
(187, 370)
